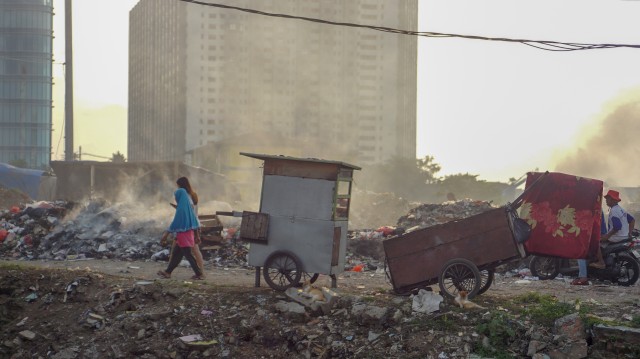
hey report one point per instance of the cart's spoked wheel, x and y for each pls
(311, 277)
(486, 278)
(282, 270)
(457, 275)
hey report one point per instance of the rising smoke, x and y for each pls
(610, 150)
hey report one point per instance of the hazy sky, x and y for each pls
(488, 108)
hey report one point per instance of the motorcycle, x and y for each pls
(622, 264)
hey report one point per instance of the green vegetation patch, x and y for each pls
(543, 309)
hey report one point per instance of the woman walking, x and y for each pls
(185, 224)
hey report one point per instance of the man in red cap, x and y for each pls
(620, 224)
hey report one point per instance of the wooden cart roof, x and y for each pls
(266, 157)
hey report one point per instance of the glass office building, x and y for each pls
(26, 37)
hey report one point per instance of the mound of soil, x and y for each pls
(12, 197)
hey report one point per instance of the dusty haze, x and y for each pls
(609, 150)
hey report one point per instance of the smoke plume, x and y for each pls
(609, 151)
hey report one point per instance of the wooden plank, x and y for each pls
(254, 226)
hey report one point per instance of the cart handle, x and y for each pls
(231, 214)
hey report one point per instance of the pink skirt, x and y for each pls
(185, 239)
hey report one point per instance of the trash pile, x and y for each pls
(428, 215)
(96, 229)
(11, 197)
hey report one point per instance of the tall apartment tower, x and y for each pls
(201, 74)
(26, 37)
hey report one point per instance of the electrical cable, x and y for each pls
(538, 44)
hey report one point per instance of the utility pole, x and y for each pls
(68, 83)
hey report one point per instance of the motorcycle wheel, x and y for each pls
(627, 270)
(544, 267)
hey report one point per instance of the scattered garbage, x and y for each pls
(96, 229)
(426, 301)
(191, 338)
(427, 215)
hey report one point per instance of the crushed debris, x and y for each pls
(12, 198)
(427, 215)
(96, 229)
(118, 317)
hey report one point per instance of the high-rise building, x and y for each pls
(201, 74)
(26, 37)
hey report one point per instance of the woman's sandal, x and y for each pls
(580, 281)
(197, 277)
(164, 274)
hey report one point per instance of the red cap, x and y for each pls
(614, 195)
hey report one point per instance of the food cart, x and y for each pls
(300, 230)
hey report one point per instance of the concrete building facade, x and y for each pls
(26, 37)
(200, 75)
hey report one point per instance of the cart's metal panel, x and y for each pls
(298, 197)
(335, 250)
(417, 258)
(308, 239)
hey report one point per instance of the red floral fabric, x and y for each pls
(564, 214)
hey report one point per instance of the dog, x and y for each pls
(311, 292)
(462, 300)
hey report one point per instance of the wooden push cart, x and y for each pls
(458, 255)
(300, 230)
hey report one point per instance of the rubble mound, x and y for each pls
(95, 229)
(11, 198)
(60, 313)
(428, 215)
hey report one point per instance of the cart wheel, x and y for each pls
(486, 278)
(311, 277)
(627, 270)
(457, 275)
(282, 270)
(544, 267)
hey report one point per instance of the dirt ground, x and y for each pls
(120, 309)
(358, 283)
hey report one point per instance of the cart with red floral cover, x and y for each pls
(558, 215)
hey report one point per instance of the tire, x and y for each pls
(627, 269)
(544, 267)
(486, 278)
(282, 270)
(457, 275)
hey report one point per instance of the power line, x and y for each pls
(538, 44)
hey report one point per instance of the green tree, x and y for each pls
(118, 157)
(428, 168)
